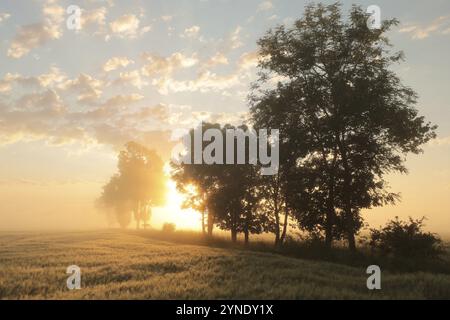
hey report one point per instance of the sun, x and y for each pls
(172, 211)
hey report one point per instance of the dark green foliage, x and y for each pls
(405, 239)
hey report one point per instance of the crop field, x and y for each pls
(129, 265)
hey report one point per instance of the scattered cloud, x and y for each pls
(116, 62)
(126, 26)
(87, 88)
(4, 16)
(440, 141)
(440, 25)
(35, 35)
(207, 80)
(234, 40)
(218, 59)
(191, 32)
(132, 78)
(92, 17)
(157, 65)
(30, 37)
(167, 18)
(265, 6)
(54, 76)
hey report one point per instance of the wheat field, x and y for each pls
(129, 265)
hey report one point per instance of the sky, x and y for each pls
(141, 70)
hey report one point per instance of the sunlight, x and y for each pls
(172, 212)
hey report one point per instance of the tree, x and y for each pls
(137, 187)
(197, 182)
(235, 201)
(344, 115)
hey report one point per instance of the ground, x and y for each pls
(130, 265)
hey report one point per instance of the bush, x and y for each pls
(168, 227)
(405, 239)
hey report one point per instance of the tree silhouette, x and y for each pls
(344, 116)
(227, 192)
(137, 187)
(197, 182)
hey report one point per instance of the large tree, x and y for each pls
(344, 115)
(139, 185)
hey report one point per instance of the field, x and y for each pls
(133, 265)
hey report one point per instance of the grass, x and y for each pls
(150, 265)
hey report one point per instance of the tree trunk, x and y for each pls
(210, 223)
(246, 236)
(328, 234)
(277, 221)
(233, 235)
(137, 214)
(351, 241)
(349, 222)
(203, 223)
(329, 226)
(283, 235)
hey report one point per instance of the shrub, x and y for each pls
(405, 239)
(168, 227)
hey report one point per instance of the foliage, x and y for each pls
(137, 187)
(405, 239)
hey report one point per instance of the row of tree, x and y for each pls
(345, 121)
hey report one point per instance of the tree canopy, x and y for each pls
(139, 185)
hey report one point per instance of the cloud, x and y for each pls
(132, 78)
(167, 18)
(127, 26)
(191, 32)
(30, 37)
(265, 6)
(7, 82)
(145, 29)
(95, 16)
(53, 13)
(116, 62)
(35, 35)
(46, 116)
(248, 60)
(48, 100)
(157, 65)
(207, 80)
(234, 39)
(122, 100)
(53, 77)
(88, 88)
(117, 137)
(440, 25)
(218, 59)
(440, 142)
(4, 16)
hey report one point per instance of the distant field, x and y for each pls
(126, 265)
